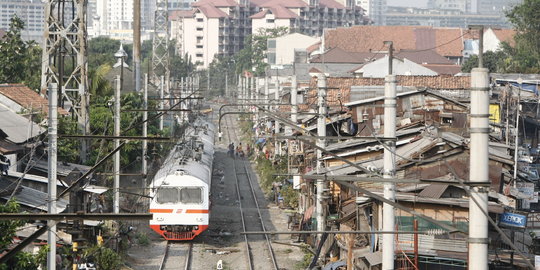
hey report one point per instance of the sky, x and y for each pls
(409, 3)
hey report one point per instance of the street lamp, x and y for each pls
(120, 55)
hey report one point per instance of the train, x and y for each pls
(180, 189)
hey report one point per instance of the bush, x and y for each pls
(142, 239)
(105, 258)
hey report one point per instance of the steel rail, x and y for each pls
(187, 262)
(269, 244)
(246, 241)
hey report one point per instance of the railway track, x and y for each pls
(177, 254)
(250, 212)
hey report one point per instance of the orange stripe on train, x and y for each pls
(161, 210)
(188, 211)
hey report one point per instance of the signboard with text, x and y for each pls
(513, 220)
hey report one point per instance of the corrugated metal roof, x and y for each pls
(18, 128)
(433, 191)
(28, 197)
(62, 168)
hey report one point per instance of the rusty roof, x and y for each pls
(368, 38)
(27, 98)
(211, 11)
(505, 35)
(434, 191)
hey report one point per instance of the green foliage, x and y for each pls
(105, 258)
(525, 56)
(8, 227)
(99, 86)
(494, 61)
(142, 239)
(23, 260)
(308, 257)
(252, 56)
(20, 60)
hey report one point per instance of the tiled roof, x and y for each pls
(313, 47)
(331, 4)
(339, 88)
(27, 98)
(338, 55)
(424, 57)
(506, 35)
(444, 69)
(366, 38)
(259, 15)
(211, 11)
(176, 14)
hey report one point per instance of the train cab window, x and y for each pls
(167, 195)
(191, 195)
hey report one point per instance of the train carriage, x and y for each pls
(180, 190)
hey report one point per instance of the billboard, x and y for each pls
(513, 220)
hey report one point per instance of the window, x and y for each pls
(269, 20)
(199, 55)
(167, 195)
(199, 28)
(199, 46)
(200, 19)
(191, 195)
(271, 44)
(271, 58)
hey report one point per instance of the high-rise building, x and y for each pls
(114, 18)
(180, 4)
(375, 10)
(31, 12)
(219, 27)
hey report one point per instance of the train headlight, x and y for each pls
(196, 227)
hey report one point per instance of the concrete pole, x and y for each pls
(137, 43)
(266, 91)
(226, 84)
(53, 148)
(516, 138)
(161, 104)
(294, 100)
(276, 122)
(389, 171)
(116, 191)
(321, 132)
(479, 169)
(145, 128)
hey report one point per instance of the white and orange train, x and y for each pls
(180, 190)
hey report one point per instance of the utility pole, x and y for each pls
(479, 165)
(116, 188)
(294, 100)
(137, 43)
(321, 143)
(389, 162)
(276, 121)
(145, 129)
(53, 148)
(516, 138)
(226, 83)
(266, 92)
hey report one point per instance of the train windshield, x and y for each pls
(167, 195)
(191, 195)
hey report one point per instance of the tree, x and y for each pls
(19, 59)
(101, 51)
(525, 56)
(494, 61)
(23, 260)
(252, 56)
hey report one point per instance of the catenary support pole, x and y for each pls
(53, 148)
(145, 129)
(321, 132)
(266, 91)
(389, 170)
(137, 43)
(276, 121)
(116, 191)
(479, 170)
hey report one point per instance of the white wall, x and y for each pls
(257, 24)
(491, 42)
(285, 46)
(379, 68)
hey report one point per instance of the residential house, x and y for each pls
(218, 27)
(282, 50)
(19, 98)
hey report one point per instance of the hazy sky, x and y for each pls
(409, 3)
